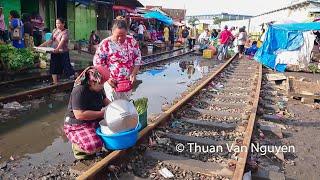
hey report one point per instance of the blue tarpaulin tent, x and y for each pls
(282, 37)
(154, 72)
(159, 16)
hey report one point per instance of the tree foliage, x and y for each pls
(193, 21)
(218, 20)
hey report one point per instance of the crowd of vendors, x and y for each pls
(218, 40)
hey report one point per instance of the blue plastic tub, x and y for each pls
(123, 140)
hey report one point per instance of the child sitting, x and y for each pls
(252, 50)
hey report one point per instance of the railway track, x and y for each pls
(147, 59)
(196, 138)
(40, 84)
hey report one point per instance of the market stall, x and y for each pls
(287, 44)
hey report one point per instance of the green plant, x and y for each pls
(7, 52)
(313, 68)
(141, 105)
(15, 59)
(24, 58)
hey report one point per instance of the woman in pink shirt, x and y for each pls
(60, 59)
(2, 25)
(121, 54)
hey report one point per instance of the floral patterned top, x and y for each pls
(119, 58)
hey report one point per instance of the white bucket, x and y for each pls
(150, 47)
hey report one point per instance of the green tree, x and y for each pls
(217, 20)
(193, 21)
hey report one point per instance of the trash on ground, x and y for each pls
(276, 77)
(166, 173)
(13, 105)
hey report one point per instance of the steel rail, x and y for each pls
(99, 166)
(48, 76)
(242, 158)
(34, 93)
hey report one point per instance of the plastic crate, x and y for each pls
(207, 54)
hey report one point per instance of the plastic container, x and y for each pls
(150, 47)
(123, 140)
(259, 44)
(120, 115)
(207, 54)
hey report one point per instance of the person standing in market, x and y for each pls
(193, 37)
(225, 39)
(171, 36)
(214, 34)
(2, 26)
(16, 29)
(60, 59)
(120, 53)
(241, 40)
(28, 31)
(94, 40)
(166, 35)
(85, 110)
(184, 34)
(179, 33)
(141, 30)
(38, 27)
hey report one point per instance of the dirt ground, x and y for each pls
(304, 133)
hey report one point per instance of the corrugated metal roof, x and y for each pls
(130, 3)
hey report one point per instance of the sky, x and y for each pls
(198, 7)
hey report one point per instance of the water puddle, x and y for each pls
(37, 136)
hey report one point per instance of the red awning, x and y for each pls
(126, 8)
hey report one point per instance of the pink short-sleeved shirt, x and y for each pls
(57, 36)
(225, 36)
(119, 58)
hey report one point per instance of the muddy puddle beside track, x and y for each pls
(33, 140)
